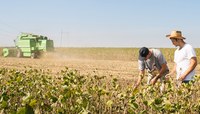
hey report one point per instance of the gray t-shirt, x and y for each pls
(156, 60)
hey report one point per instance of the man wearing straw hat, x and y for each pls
(155, 63)
(184, 58)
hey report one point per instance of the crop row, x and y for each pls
(41, 92)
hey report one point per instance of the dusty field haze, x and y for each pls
(119, 62)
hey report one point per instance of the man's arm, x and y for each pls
(141, 76)
(162, 70)
(171, 72)
(162, 61)
(192, 65)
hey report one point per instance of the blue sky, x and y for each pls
(101, 23)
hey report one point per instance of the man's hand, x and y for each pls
(167, 77)
(135, 86)
(181, 78)
(154, 80)
(141, 75)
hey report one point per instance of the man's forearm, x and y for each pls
(141, 75)
(138, 82)
(193, 64)
(162, 70)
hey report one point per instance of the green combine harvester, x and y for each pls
(29, 45)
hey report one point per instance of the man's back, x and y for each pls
(156, 60)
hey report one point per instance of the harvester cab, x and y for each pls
(29, 45)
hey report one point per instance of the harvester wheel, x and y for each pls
(33, 55)
(19, 53)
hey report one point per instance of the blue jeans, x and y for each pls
(186, 81)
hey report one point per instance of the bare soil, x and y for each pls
(117, 68)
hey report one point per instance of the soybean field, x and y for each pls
(90, 81)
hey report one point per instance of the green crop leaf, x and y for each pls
(33, 102)
(135, 91)
(54, 99)
(134, 105)
(109, 103)
(26, 110)
(4, 104)
(158, 101)
(21, 110)
(145, 102)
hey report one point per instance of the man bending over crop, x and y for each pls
(153, 61)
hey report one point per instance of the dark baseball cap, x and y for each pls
(143, 52)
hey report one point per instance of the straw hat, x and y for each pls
(175, 34)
